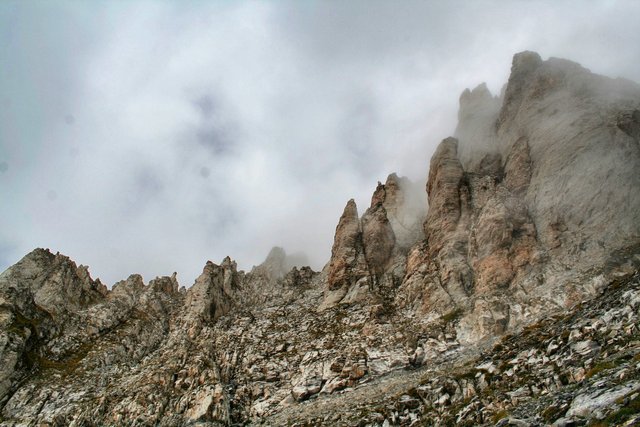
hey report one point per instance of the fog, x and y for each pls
(150, 137)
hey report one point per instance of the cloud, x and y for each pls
(149, 137)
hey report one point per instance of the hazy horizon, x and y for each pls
(150, 137)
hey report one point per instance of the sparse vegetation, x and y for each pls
(65, 366)
(499, 415)
(552, 412)
(21, 322)
(453, 315)
(598, 368)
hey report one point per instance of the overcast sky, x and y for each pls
(150, 137)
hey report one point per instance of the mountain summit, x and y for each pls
(506, 292)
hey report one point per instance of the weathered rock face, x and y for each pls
(348, 271)
(478, 230)
(40, 297)
(211, 295)
(347, 254)
(533, 208)
(523, 205)
(128, 322)
(378, 239)
(369, 253)
(278, 263)
(444, 187)
(584, 157)
(515, 218)
(47, 275)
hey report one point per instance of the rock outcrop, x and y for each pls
(369, 253)
(348, 271)
(528, 195)
(512, 300)
(211, 296)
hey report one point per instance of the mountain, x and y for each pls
(507, 293)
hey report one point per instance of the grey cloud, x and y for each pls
(206, 105)
(214, 130)
(147, 184)
(176, 132)
(215, 138)
(357, 134)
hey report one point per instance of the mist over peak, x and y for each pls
(497, 284)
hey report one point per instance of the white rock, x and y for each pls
(586, 404)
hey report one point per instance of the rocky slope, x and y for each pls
(512, 300)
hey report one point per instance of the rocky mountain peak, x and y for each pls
(276, 255)
(54, 282)
(506, 293)
(394, 194)
(134, 282)
(446, 194)
(379, 195)
(347, 264)
(378, 239)
(211, 296)
(168, 285)
(275, 265)
(370, 251)
(523, 65)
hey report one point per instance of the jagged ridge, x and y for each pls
(533, 208)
